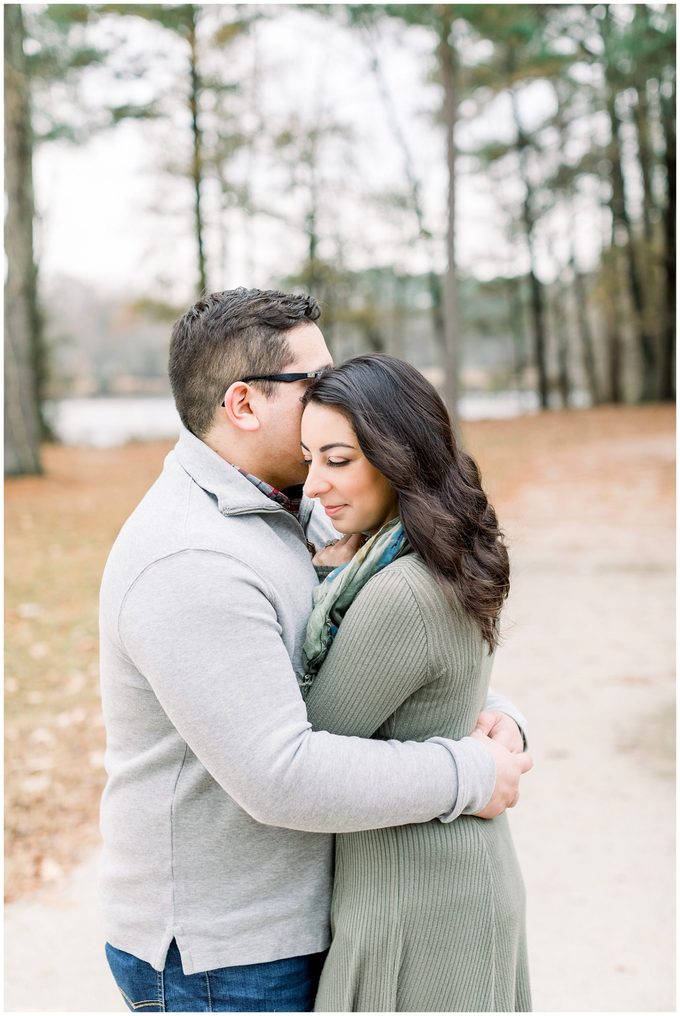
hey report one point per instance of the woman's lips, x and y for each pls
(333, 509)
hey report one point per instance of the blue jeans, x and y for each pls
(287, 985)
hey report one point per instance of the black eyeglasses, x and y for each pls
(310, 375)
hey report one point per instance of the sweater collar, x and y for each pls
(234, 492)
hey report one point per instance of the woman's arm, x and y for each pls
(377, 660)
(328, 704)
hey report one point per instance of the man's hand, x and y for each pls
(339, 551)
(509, 767)
(501, 728)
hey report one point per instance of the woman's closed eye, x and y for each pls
(330, 462)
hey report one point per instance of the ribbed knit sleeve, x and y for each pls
(378, 659)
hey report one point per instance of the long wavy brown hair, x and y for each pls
(404, 430)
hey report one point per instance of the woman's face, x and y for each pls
(355, 495)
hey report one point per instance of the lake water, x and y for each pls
(107, 422)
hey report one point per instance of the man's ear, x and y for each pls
(238, 405)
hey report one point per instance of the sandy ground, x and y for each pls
(589, 655)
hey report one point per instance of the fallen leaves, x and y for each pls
(59, 529)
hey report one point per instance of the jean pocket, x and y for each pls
(140, 985)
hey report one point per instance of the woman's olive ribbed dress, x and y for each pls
(425, 918)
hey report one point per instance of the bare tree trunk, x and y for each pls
(561, 345)
(614, 363)
(197, 154)
(311, 157)
(537, 304)
(537, 301)
(311, 227)
(513, 291)
(22, 415)
(641, 116)
(374, 339)
(620, 216)
(585, 332)
(224, 212)
(579, 291)
(313, 274)
(257, 131)
(613, 317)
(621, 219)
(447, 66)
(434, 281)
(667, 379)
(614, 359)
(398, 329)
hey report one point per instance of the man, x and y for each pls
(221, 800)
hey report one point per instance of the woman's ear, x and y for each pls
(239, 408)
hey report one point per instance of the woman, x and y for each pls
(399, 645)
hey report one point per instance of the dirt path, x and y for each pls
(587, 500)
(591, 656)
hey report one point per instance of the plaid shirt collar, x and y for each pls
(290, 499)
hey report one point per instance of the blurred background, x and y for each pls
(486, 190)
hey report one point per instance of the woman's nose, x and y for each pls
(314, 484)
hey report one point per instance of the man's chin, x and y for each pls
(294, 478)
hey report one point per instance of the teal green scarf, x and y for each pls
(334, 596)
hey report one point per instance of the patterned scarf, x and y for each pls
(334, 596)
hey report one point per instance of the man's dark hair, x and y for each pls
(228, 336)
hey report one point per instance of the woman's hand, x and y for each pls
(339, 551)
(500, 728)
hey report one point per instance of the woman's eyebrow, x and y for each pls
(325, 448)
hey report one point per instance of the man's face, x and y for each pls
(281, 414)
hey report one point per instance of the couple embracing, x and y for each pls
(297, 628)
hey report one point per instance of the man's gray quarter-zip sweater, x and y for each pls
(221, 800)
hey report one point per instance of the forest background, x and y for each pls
(487, 190)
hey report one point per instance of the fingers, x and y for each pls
(353, 541)
(485, 721)
(339, 551)
(525, 762)
(502, 728)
